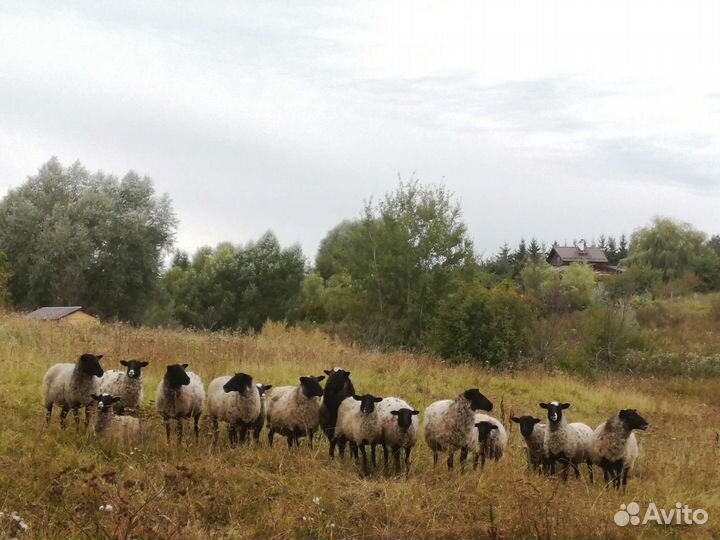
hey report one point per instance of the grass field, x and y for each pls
(58, 481)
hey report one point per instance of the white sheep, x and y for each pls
(234, 400)
(533, 431)
(294, 411)
(359, 423)
(259, 422)
(614, 447)
(128, 386)
(489, 439)
(70, 386)
(400, 429)
(567, 443)
(108, 425)
(180, 395)
(449, 423)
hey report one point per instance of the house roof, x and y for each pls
(53, 313)
(592, 254)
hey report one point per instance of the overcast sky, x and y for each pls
(557, 119)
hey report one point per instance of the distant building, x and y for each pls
(65, 314)
(563, 256)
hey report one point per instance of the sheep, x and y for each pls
(400, 429)
(533, 431)
(567, 443)
(234, 400)
(614, 446)
(107, 424)
(358, 422)
(70, 385)
(337, 388)
(448, 424)
(259, 422)
(127, 386)
(180, 395)
(294, 411)
(489, 439)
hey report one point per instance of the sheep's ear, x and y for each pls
(95, 397)
(564, 405)
(544, 405)
(536, 420)
(320, 378)
(123, 363)
(99, 356)
(478, 424)
(493, 426)
(267, 387)
(515, 419)
(357, 398)
(327, 372)
(144, 364)
(184, 366)
(115, 399)
(394, 413)
(413, 413)
(377, 399)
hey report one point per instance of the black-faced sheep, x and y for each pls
(614, 446)
(259, 422)
(294, 411)
(180, 395)
(449, 424)
(108, 425)
(490, 439)
(358, 423)
(337, 388)
(70, 386)
(127, 386)
(533, 431)
(234, 400)
(400, 428)
(567, 443)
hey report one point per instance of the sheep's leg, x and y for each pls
(341, 447)
(385, 455)
(450, 459)
(310, 434)
(476, 458)
(332, 446)
(196, 428)
(271, 433)
(63, 417)
(372, 455)
(215, 430)
(354, 450)
(76, 415)
(590, 471)
(179, 431)
(48, 414)
(482, 460)
(463, 459)
(256, 435)
(167, 428)
(232, 435)
(364, 457)
(618, 474)
(625, 477)
(566, 468)
(87, 417)
(396, 459)
(435, 458)
(407, 460)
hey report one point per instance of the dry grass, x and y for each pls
(57, 481)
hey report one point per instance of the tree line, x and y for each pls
(403, 274)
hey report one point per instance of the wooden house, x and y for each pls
(64, 314)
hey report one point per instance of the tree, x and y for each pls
(95, 240)
(535, 252)
(577, 287)
(611, 251)
(5, 275)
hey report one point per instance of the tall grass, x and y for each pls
(61, 482)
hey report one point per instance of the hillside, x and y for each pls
(58, 481)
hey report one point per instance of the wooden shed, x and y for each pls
(64, 314)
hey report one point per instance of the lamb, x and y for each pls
(489, 441)
(234, 400)
(448, 424)
(259, 422)
(337, 388)
(614, 446)
(400, 429)
(294, 411)
(70, 386)
(127, 386)
(567, 443)
(358, 422)
(533, 431)
(107, 424)
(180, 395)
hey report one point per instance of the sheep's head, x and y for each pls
(555, 410)
(485, 428)
(367, 402)
(133, 367)
(311, 386)
(262, 388)
(477, 400)
(105, 401)
(527, 424)
(238, 383)
(176, 376)
(632, 420)
(404, 417)
(90, 364)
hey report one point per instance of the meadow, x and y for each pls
(70, 485)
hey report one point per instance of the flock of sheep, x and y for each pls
(343, 415)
